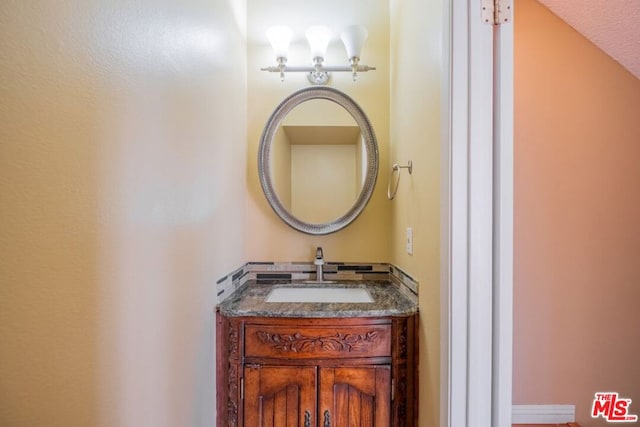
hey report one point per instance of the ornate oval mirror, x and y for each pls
(318, 160)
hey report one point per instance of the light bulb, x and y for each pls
(280, 37)
(318, 37)
(353, 38)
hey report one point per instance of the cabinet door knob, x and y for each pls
(327, 419)
(307, 419)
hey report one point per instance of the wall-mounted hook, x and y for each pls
(396, 168)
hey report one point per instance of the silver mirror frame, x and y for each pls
(264, 151)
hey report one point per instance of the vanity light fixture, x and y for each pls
(318, 37)
(280, 38)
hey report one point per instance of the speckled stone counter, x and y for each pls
(388, 300)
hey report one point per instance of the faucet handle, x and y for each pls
(319, 257)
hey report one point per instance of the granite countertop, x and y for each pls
(388, 300)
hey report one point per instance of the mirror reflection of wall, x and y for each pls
(318, 161)
(281, 167)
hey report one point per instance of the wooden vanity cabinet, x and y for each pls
(288, 396)
(292, 372)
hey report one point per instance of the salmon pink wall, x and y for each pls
(577, 218)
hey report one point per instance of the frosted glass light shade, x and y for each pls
(353, 38)
(318, 37)
(280, 38)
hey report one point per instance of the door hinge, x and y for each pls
(393, 389)
(242, 388)
(496, 12)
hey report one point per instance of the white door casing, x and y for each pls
(477, 230)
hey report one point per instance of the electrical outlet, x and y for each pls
(410, 240)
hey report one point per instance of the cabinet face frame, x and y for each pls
(402, 360)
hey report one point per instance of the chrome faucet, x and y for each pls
(319, 262)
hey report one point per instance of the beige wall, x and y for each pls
(319, 112)
(577, 205)
(270, 239)
(416, 60)
(121, 183)
(403, 100)
(128, 185)
(321, 173)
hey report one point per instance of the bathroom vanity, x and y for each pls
(285, 359)
(317, 354)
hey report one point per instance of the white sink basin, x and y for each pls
(320, 294)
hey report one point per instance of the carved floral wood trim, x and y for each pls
(298, 343)
(403, 340)
(233, 340)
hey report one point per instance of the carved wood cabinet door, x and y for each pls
(355, 396)
(286, 396)
(280, 396)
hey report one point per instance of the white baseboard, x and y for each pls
(543, 414)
